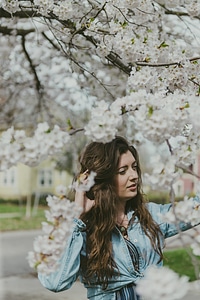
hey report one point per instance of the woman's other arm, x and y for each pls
(68, 266)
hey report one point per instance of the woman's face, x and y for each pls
(126, 179)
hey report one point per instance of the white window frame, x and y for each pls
(45, 176)
(9, 178)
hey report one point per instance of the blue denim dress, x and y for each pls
(69, 269)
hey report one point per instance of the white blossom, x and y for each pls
(44, 6)
(18, 147)
(11, 6)
(41, 128)
(86, 185)
(164, 173)
(61, 190)
(19, 136)
(63, 9)
(103, 123)
(187, 211)
(170, 287)
(7, 136)
(49, 247)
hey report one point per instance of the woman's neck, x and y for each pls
(121, 208)
(121, 218)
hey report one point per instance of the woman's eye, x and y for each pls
(122, 172)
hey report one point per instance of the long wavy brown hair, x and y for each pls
(100, 220)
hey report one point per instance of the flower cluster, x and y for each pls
(44, 6)
(163, 175)
(85, 185)
(170, 286)
(103, 124)
(62, 9)
(11, 6)
(187, 211)
(16, 146)
(48, 248)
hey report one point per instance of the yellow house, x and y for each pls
(21, 181)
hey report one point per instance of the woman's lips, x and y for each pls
(132, 187)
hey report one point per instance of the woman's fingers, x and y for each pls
(88, 204)
(84, 202)
(80, 195)
(83, 177)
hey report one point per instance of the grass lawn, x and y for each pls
(11, 208)
(20, 222)
(180, 261)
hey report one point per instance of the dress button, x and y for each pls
(135, 240)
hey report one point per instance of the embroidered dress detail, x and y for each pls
(128, 292)
(133, 253)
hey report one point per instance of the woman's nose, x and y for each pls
(133, 174)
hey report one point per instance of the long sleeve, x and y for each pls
(168, 229)
(69, 265)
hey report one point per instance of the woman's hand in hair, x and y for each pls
(82, 201)
(80, 196)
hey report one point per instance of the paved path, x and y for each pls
(10, 215)
(28, 287)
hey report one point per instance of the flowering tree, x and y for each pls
(131, 67)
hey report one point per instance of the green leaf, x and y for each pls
(69, 124)
(163, 45)
(145, 40)
(198, 92)
(132, 41)
(48, 131)
(150, 112)
(124, 24)
(123, 108)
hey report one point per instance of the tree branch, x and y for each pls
(116, 61)
(181, 166)
(175, 12)
(71, 58)
(112, 57)
(23, 14)
(146, 64)
(187, 170)
(9, 31)
(37, 81)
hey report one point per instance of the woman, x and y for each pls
(118, 235)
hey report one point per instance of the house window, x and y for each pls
(9, 177)
(45, 177)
